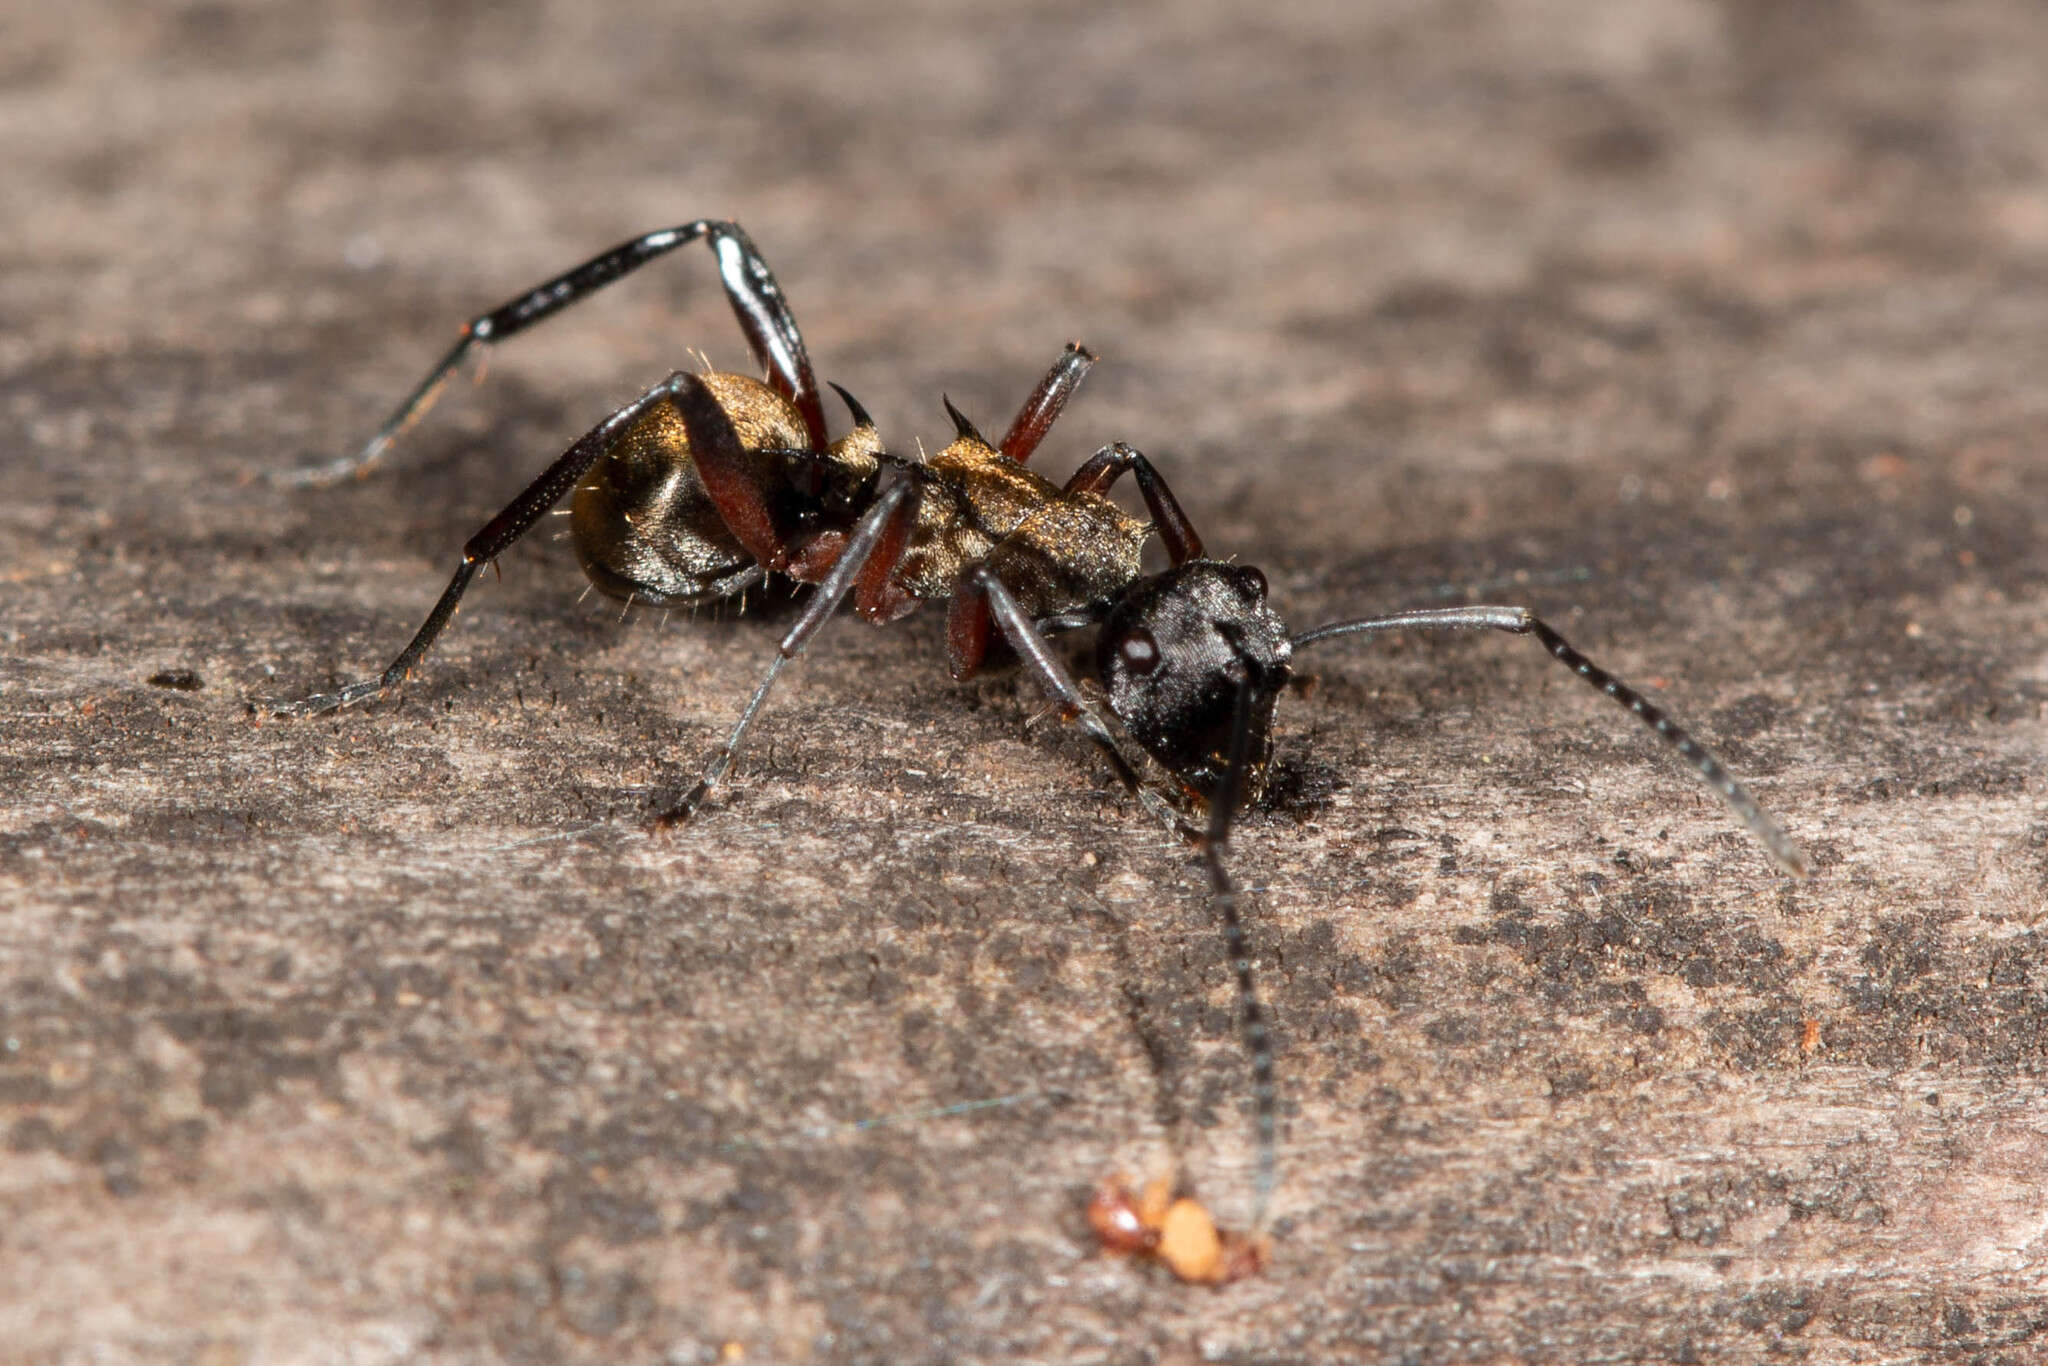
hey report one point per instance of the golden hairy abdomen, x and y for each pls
(644, 525)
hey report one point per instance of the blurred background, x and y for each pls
(1710, 329)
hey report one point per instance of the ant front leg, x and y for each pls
(1523, 622)
(750, 288)
(1111, 463)
(858, 550)
(986, 598)
(496, 537)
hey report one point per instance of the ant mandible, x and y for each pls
(705, 485)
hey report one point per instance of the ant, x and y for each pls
(705, 485)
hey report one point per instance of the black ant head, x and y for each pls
(1173, 656)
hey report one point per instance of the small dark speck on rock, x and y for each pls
(180, 680)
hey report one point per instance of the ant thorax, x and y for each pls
(1057, 551)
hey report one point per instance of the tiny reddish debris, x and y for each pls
(1180, 1234)
(1119, 1222)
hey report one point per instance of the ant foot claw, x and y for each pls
(321, 703)
(682, 810)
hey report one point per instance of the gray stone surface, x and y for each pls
(1715, 331)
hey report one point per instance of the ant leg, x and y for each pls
(496, 537)
(722, 466)
(750, 287)
(983, 585)
(1111, 463)
(1040, 410)
(816, 613)
(876, 595)
(1521, 621)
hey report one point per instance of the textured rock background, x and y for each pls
(1715, 331)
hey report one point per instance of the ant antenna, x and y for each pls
(1258, 1038)
(1784, 851)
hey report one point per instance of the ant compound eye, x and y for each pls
(1255, 578)
(1140, 651)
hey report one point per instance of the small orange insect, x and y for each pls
(1180, 1234)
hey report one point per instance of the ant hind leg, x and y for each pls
(497, 536)
(750, 287)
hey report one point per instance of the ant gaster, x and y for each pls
(705, 485)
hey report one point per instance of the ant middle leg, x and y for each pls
(1521, 621)
(1046, 402)
(750, 287)
(857, 551)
